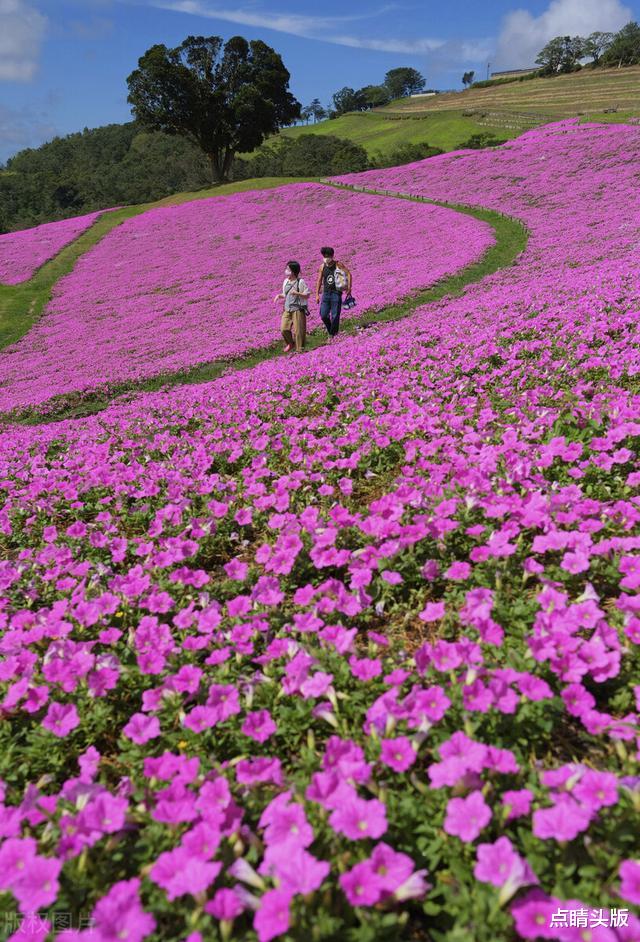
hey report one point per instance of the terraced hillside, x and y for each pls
(586, 92)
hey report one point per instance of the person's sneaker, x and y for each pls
(287, 347)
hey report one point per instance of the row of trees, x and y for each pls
(398, 83)
(312, 155)
(566, 53)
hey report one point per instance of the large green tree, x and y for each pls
(596, 44)
(374, 96)
(316, 110)
(404, 81)
(225, 98)
(347, 99)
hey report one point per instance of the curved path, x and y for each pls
(510, 241)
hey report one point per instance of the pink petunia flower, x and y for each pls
(61, 718)
(225, 904)
(397, 753)
(630, 881)
(433, 611)
(361, 885)
(466, 817)
(518, 802)
(179, 872)
(38, 884)
(119, 914)
(532, 916)
(273, 917)
(141, 728)
(259, 726)
(259, 770)
(358, 818)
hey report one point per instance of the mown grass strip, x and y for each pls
(510, 241)
(21, 305)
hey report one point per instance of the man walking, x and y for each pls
(333, 279)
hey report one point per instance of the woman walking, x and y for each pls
(295, 293)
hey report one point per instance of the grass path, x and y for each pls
(510, 240)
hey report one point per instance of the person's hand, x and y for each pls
(277, 297)
(317, 299)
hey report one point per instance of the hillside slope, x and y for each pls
(505, 111)
(381, 133)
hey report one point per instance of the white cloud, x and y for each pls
(21, 32)
(523, 35)
(332, 29)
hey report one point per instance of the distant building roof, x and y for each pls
(422, 94)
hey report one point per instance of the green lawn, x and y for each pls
(380, 135)
(618, 117)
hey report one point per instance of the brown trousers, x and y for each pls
(298, 321)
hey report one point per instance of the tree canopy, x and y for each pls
(310, 155)
(607, 50)
(624, 48)
(93, 169)
(225, 98)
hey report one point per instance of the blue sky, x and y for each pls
(64, 63)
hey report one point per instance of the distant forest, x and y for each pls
(95, 169)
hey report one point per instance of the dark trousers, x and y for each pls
(330, 307)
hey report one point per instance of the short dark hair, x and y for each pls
(295, 268)
(327, 251)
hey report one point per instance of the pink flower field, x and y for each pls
(347, 646)
(21, 253)
(182, 285)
